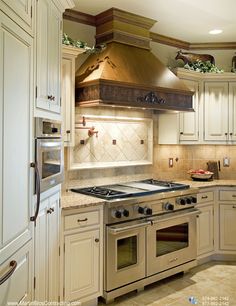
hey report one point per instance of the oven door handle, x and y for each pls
(37, 190)
(171, 216)
(119, 230)
(51, 144)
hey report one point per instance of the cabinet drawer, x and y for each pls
(204, 197)
(82, 220)
(228, 195)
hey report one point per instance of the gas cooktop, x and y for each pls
(131, 189)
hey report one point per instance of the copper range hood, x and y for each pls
(127, 73)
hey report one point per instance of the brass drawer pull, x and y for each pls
(204, 197)
(174, 259)
(82, 220)
(234, 196)
(234, 206)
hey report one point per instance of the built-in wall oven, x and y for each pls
(49, 160)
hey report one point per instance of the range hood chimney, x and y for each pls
(126, 73)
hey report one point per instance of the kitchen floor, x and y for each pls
(211, 284)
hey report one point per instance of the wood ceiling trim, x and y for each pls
(158, 38)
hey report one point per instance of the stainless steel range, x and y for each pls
(150, 232)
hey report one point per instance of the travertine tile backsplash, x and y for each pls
(185, 157)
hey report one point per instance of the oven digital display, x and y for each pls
(172, 239)
(127, 252)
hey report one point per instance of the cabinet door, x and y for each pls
(81, 265)
(189, 125)
(205, 230)
(47, 250)
(21, 11)
(216, 111)
(53, 248)
(18, 288)
(42, 78)
(232, 111)
(54, 53)
(228, 227)
(16, 141)
(68, 106)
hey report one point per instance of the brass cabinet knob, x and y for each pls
(96, 240)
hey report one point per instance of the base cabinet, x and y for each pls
(205, 223)
(83, 256)
(18, 288)
(47, 250)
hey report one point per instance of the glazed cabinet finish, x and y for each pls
(18, 288)
(69, 55)
(48, 59)
(83, 254)
(232, 111)
(227, 217)
(21, 11)
(216, 106)
(16, 142)
(47, 250)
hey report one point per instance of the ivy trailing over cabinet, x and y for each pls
(214, 118)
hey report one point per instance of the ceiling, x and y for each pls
(187, 20)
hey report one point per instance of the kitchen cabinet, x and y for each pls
(22, 12)
(205, 223)
(83, 255)
(184, 126)
(227, 217)
(18, 288)
(69, 55)
(48, 59)
(47, 247)
(214, 120)
(16, 139)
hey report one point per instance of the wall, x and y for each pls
(189, 157)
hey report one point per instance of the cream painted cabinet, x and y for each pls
(227, 219)
(69, 55)
(232, 112)
(216, 111)
(205, 222)
(16, 140)
(48, 59)
(83, 255)
(18, 288)
(181, 128)
(21, 11)
(47, 248)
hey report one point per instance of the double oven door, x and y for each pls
(141, 248)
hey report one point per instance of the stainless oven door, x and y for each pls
(50, 162)
(125, 253)
(171, 240)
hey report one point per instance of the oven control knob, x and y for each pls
(194, 200)
(125, 213)
(147, 211)
(140, 210)
(117, 214)
(168, 206)
(188, 201)
(181, 201)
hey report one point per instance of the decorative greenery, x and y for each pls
(66, 40)
(203, 67)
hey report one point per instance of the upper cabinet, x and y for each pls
(214, 119)
(48, 58)
(21, 11)
(69, 55)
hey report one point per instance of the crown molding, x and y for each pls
(158, 38)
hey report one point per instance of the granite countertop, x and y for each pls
(70, 200)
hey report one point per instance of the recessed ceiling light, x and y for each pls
(215, 31)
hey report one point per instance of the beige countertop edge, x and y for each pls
(71, 200)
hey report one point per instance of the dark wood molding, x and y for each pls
(80, 17)
(162, 39)
(165, 40)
